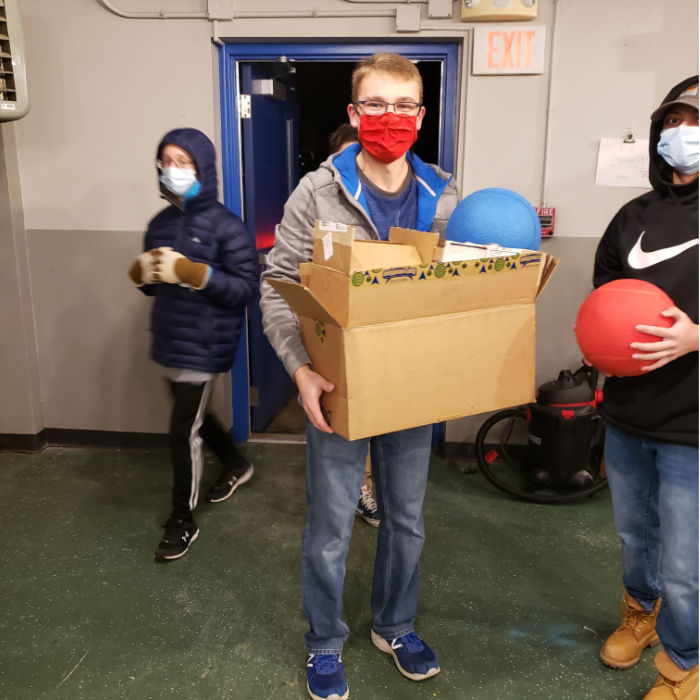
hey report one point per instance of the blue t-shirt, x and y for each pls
(387, 209)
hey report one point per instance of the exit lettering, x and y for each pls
(499, 50)
(510, 49)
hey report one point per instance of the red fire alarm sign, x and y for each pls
(546, 215)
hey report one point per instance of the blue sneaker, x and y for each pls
(413, 657)
(325, 677)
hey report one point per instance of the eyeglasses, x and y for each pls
(376, 107)
(170, 163)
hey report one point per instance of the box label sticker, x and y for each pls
(392, 274)
(332, 226)
(446, 271)
(327, 246)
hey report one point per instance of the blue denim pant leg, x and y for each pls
(400, 472)
(334, 473)
(654, 487)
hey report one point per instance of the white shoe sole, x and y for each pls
(370, 521)
(384, 646)
(335, 696)
(245, 477)
(181, 554)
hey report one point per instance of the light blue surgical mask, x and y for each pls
(180, 181)
(680, 148)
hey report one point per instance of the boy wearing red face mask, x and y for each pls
(372, 185)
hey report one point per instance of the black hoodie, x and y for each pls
(662, 404)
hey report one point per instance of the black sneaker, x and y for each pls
(228, 482)
(367, 508)
(179, 535)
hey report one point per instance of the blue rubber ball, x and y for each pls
(495, 215)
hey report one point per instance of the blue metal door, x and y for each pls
(268, 132)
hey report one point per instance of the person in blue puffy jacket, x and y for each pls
(200, 265)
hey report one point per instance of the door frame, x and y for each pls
(446, 51)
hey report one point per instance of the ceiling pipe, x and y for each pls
(375, 2)
(306, 14)
(162, 14)
(252, 14)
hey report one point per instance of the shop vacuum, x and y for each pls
(563, 458)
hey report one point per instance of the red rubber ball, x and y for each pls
(605, 325)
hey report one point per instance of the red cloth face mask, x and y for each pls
(388, 136)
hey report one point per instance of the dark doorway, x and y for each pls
(323, 90)
(316, 78)
(296, 117)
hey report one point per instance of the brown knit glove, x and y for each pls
(174, 268)
(141, 272)
(135, 273)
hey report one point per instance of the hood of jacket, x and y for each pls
(431, 182)
(204, 155)
(660, 172)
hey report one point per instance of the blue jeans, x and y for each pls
(654, 487)
(334, 473)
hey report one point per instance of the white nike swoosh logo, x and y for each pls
(639, 259)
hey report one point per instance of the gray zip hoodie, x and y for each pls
(334, 193)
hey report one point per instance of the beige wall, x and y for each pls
(79, 179)
(20, 404)
(99, 104)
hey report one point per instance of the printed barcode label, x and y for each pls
(332, 226)
(327, 246)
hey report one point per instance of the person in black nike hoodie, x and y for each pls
(651, 442)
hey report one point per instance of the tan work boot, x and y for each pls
(637, 631)
(673, 683)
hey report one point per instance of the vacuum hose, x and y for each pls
(521, 412)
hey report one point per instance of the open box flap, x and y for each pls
(302, 300)
(373, 255)
(335, 247)
(305, 273)
(550, 264)
(395, 294)
(450, 251)
(332, 244)
(424, 242)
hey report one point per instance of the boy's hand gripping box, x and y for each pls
(414, 331)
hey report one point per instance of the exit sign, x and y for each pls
(503, 50)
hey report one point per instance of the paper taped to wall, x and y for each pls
(623, 163)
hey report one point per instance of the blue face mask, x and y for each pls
(180, 181)
(680, 148)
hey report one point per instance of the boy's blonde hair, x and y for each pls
(391, 63)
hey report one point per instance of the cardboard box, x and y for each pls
(408, 339)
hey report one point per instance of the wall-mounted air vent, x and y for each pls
(14, 101)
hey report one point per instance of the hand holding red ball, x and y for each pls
(627, 315)
(676, 340)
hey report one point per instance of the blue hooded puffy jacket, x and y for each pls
(199, 329)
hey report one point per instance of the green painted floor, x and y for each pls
(516, 598)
